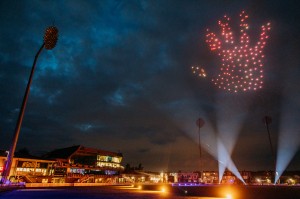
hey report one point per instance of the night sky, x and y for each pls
(120, 79)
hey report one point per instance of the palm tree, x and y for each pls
(200, 123)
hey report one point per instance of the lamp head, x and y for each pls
(200, 122)
(267, 119)
(50, 37)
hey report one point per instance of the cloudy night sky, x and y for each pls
(120, 79)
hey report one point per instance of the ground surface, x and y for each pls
(125, 192)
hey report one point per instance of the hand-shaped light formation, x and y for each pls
(242, 63)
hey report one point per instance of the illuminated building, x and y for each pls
(72, 164)
(230, 178)
(290, 178)
(188, 176)
(25, 165)
(246, 175)
(79, 163)
(138, 175)
(210, 177)
(262, 177)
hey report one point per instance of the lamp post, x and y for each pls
(200, 123)
(50, 39)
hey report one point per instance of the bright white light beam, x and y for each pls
(223, 156)
(289, 136)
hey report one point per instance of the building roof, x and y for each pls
(63, 153)
(92, 151)
(66, 153)
(23, 155)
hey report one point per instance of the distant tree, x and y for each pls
(127, 167)
(140, 167)
(23, 151)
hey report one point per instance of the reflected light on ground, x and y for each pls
(164, 190)
(128, 187)
(229, 192)
(229, 196)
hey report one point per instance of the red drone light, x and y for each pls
(242, 64)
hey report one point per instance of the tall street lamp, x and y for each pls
(50, 39)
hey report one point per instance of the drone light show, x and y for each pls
(198, 71)
(242, 63)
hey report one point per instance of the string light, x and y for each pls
(242, 64)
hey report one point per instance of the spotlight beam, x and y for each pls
(289, 138)
(225, 160)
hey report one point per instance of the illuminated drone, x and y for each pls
(198, 71)
(242, 63)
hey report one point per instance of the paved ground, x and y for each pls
(122, 192)
(243, 192)
(7, 189)
(90, 193)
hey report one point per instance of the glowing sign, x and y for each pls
(30, 164)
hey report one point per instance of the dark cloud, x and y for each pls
(119, 79)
